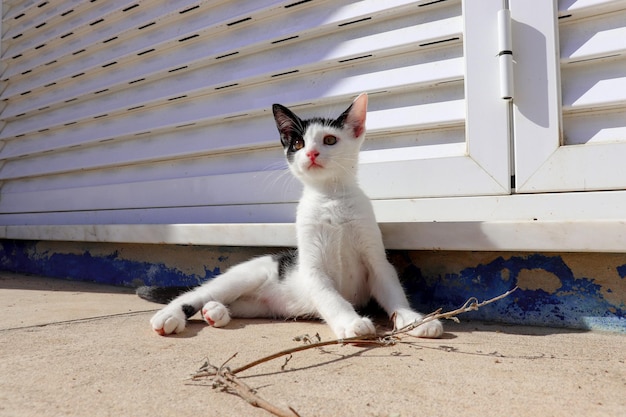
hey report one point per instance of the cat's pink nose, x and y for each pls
(313, 154)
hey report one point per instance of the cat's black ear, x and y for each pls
(354, 116)
(286, 122)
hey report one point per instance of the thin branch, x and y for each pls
(225, 378)
(471, 304)
(372, 339)
(240, 388)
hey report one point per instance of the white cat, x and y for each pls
(340, 262)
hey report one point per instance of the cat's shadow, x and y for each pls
(195, 326)
(192, 329)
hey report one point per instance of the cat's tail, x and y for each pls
(161, 295)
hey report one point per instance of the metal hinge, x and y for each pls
(505, 54)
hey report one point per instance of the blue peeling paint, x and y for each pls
(621, 270)
(23, 257)
(578, 303)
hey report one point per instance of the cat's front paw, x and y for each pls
(432, 329)
(216, 314)
(361, 326)
(170, 319)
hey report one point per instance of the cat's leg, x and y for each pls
(319, 296)
(215, 295)
(340, 315)
(218, 315)
(255, 308)
(388, 291)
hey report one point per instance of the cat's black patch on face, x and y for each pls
(286, 261)
(189, 310)
(292, 129)
(336, 123)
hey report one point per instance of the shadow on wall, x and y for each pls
(573, 290)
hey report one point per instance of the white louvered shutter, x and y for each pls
(570, 101)
(149, 112)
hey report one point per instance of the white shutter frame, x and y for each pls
(481, 166)
(536, 106)
(487, 113)
(545, 160)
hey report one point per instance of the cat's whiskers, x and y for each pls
(280, 178)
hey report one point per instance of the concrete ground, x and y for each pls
(78, 349)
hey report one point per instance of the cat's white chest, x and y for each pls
(343, 261)
(334, 210)
(334, 227)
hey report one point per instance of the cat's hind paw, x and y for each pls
(168, 320)
(216, 314)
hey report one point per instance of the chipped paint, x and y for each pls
(538, 279)
(561, 290)
(119, 264)
(582, 290)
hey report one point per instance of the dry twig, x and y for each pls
(225, 378)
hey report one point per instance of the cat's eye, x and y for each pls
(330, 140)
(298, 144)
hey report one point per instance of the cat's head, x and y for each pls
(323, 150)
